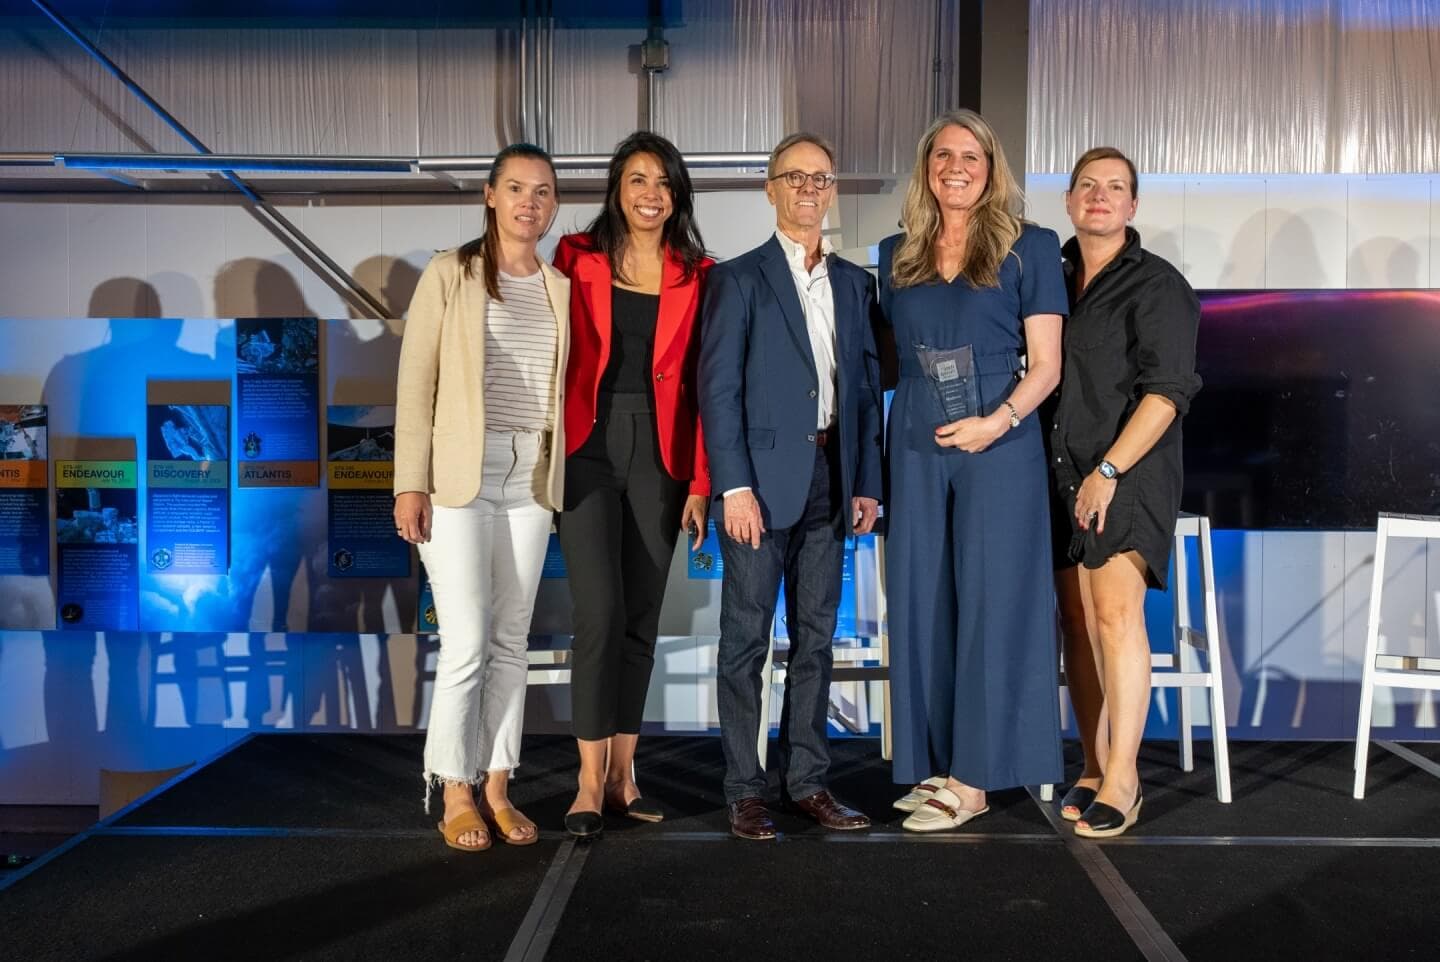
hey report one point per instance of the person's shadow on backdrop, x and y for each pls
(101, 393)
(361, 370)
(273, 529)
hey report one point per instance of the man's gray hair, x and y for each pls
(791, 140)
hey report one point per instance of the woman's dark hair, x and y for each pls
(487, 245)
(610, 233)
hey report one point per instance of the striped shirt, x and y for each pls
(519, 356)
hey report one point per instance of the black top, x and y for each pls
(632, 341)
(1131, 333)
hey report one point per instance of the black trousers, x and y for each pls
(617, 532)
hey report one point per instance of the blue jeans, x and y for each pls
(809, 556)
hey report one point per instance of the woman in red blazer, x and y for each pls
(635, 471)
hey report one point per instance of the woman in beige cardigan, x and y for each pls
(479, 458)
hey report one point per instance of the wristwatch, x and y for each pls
(1014, 415)
(1107, 470)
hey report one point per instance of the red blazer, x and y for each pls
(677, 345)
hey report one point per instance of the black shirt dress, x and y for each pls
(1130, 333)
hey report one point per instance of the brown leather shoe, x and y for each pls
(749, 818)
(829, 812)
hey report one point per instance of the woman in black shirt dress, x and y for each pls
(1127, 380)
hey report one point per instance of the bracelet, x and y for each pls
(1014, 414)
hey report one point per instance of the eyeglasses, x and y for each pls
(798, 178)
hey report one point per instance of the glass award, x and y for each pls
(951, 374)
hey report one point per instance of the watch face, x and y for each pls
(1107, 470)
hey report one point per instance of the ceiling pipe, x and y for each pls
(336, 164)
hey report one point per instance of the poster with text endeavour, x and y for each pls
(97, 535)
(363, 542)
(24, 486)
(277, 389)
(187, 496)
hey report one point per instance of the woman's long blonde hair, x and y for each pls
(994, 222)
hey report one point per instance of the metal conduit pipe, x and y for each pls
(335, 164)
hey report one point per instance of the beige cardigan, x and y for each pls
(440, 394)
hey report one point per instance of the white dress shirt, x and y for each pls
(817, 301)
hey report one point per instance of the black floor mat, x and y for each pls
(1276, 903)
(270, 898)
(730, 900)
(373, 782)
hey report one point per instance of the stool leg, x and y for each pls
(1372, 646)
(767, 686)
(1214, 663)
(882, 626)
(1183, 659)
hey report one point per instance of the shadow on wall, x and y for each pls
(363, 372)
(98, 394)
(1384, 262)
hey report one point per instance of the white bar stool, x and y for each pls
(1178, 669)
(1388, 670)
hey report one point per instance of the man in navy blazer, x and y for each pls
(791, 411)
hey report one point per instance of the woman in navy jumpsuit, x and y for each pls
(971, 601)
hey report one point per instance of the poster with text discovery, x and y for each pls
(277, 388)
(187, 496)
(97, 538)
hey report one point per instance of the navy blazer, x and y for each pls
(758, 383)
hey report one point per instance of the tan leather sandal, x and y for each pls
(507, 820)
(459, 825)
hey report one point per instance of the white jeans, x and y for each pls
(484, 562)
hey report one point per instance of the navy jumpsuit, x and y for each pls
(968, 575)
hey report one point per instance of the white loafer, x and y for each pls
(917, 795)
(941, 812)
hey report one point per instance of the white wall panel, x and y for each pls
(1045, 202)
(184, 246)
(412, 229)
(1305, 243)
(107, 261)
(733, 223)
(348, 230)
(35, 271)
(1388, 232)
(1224, 234)
(259, 277)
(1160, 218)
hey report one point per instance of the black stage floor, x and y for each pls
(315, 847)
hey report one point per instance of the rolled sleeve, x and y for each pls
(1166, 326)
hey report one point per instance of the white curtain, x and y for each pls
(742, 74)
(1237, 86)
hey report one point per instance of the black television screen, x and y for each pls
(1320, 408)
